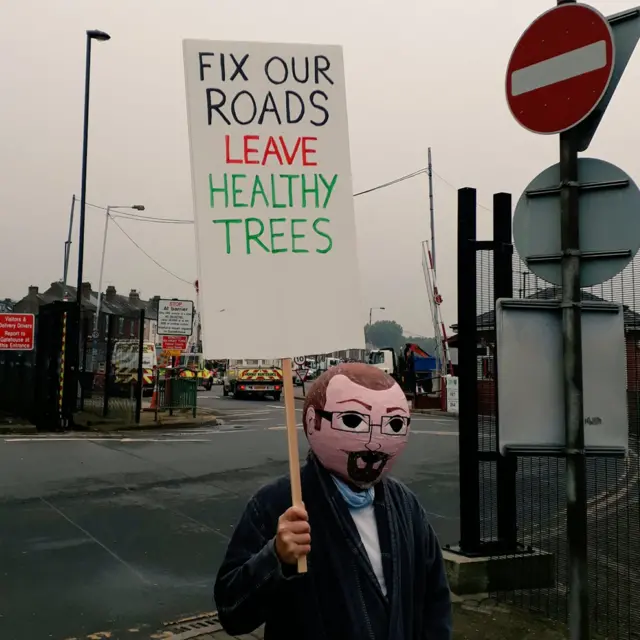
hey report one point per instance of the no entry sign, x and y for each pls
(560, 68)
(16, 331)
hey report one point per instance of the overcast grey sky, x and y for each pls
(419, 74)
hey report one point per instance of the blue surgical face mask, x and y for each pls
(354, 499)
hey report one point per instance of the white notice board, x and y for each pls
(530, 383)
(273, 203)
(175, 317)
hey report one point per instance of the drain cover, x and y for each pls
(193, 627)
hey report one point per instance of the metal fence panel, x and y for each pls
(104, 393)
(539, 482)
(17, 383)
(613, 507)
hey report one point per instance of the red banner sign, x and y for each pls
(174, 343)
(17, 331)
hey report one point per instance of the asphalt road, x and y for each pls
(121, 534)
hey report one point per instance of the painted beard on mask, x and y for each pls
(365, 467)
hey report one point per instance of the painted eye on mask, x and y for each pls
(395, 425)
(351, 421)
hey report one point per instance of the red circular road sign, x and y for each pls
(560, 68)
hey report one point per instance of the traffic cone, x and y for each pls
(154, 400)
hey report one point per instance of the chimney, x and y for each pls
(33, 291)
(134, 296)
(111, 292)
(86, 290)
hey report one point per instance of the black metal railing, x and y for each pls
(517, 505)
(613, 493)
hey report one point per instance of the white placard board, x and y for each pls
(273, 199)
(175, 317)
(530, 382)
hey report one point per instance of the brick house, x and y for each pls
(485, 323)
(125, 309)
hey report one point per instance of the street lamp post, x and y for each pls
(100, 36)
(371, 310)
(96, 320)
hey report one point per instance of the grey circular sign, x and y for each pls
(609, 222)
(299, 360)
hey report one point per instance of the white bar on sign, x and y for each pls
(562, 67)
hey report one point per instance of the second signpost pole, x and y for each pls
(576, 479)
(292, 439)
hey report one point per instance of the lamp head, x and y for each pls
(101, 36)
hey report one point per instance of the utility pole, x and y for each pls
(96, 318)
(431, 213)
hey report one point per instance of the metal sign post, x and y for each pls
(576, 480)
(560, 78)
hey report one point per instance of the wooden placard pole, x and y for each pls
(292, 439)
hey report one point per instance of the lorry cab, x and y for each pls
(384, 359)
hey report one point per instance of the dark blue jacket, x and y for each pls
(339, 598)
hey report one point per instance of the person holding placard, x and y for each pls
(375, 568)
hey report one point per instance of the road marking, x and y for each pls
(436, 433)
(563, 67)
(163, 440)
(112, 553)
(282, 428)
(125, 440)
(239, 412)
(280, 406)
(171, 437)
(46, 439)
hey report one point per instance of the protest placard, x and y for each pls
(273, 203)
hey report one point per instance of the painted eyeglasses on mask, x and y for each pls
(356, 422)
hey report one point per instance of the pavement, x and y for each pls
(476, 617)
(115, 535)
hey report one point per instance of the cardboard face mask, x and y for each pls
(356, 418)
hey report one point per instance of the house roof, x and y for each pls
(486, 321)
(113, 304)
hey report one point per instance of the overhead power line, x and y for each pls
(118, 213)
(408, 176)
(141, 218)
(456, 188)
(138, 217)
(177, 277)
